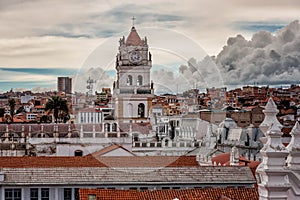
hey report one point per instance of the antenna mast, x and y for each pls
(90, 84)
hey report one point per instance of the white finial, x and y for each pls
(270, 120)
(295, 141)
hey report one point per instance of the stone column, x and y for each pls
(234, 157)
(69, 131)
(94, 131)
(81, 131)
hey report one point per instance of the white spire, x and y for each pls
(274, 156)
(270, 112)
(295, 141)
(293, 159)
(234, 156)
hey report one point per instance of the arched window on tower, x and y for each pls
(139, 80)
(129, 80)
(141, 110)
(114, 127)
(107, 127)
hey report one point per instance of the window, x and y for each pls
(68, 194)
(114, 127)
(92, 197)
(13, 194)
(76, 193)
(141, 110)
(107, 127)
(139, 80)
(129, 80)
(34, 194)
(45, 194)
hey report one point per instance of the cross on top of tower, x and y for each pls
(133, 18)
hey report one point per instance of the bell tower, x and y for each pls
(133, 90)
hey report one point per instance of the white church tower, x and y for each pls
(133, 90)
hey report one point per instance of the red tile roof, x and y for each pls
(134, 39)
(109, 194)
(49, 162)
(90, 161)
(149, 161)
(224, 159)
(39, 106)
(186, 194)
(108, 149)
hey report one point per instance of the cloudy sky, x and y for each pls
(41, 39)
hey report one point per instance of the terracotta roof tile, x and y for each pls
(224, 159)
(109, 194)
(108, 149)
(134, 39)
(49, 162)
(187, 194)
(149, 161)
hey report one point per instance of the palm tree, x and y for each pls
(12, 105)
(59, 107)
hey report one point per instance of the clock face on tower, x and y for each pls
(135, 57)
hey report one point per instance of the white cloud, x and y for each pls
(7, 76)
(265, 59)
(46, 51)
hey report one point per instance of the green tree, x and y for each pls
(12, 105)
(59, 107)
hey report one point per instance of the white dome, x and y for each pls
(228, 123)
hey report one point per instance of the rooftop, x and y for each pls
(149, 161)
(134, 39)
(187, 194)
(49, 162)
(196, 176)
